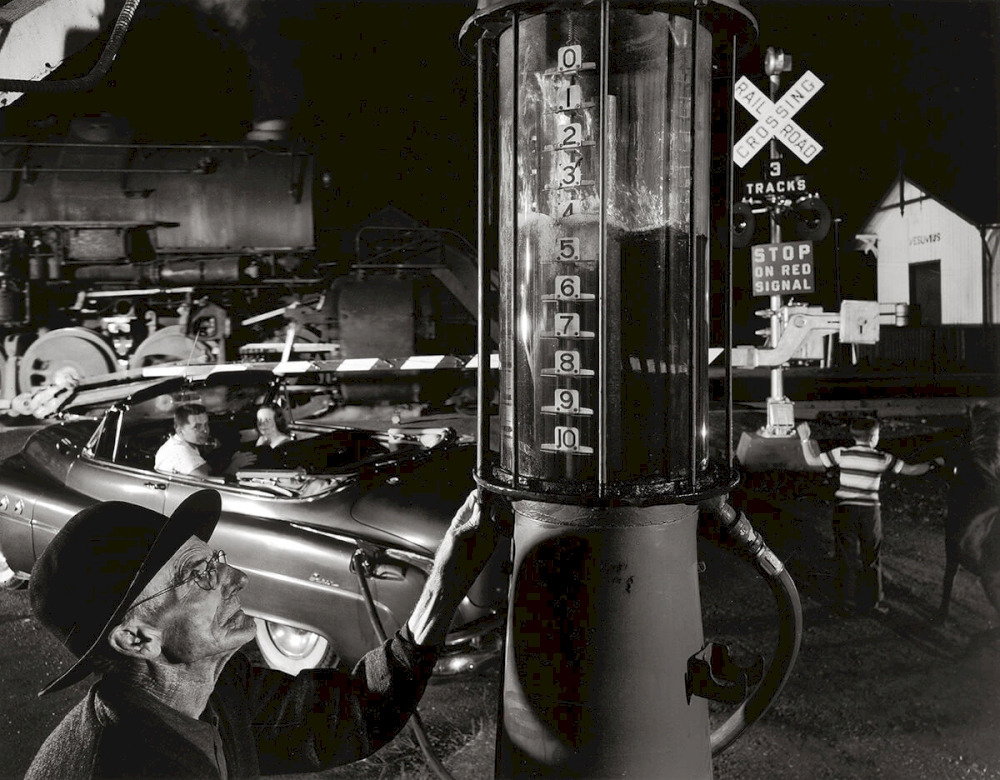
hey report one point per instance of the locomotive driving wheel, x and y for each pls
(170, 346)
(76, 352)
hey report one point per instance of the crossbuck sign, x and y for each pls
(774, 120)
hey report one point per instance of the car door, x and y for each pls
(104, 474)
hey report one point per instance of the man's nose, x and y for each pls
(235, 579)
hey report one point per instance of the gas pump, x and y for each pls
(594, 164)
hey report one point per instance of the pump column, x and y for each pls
(594, 196)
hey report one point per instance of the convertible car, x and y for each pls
(339, 529)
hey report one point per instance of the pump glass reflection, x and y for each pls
(557, 272)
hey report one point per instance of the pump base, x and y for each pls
(604, 620)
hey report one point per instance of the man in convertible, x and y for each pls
(182, 452)
(143, 600)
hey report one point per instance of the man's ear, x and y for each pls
(136, 639)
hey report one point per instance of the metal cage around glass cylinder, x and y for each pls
(595, 156)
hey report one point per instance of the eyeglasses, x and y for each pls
(207, 575)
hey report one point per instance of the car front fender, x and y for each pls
(32, 510)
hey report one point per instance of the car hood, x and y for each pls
(417, 503)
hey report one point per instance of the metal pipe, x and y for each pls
(514, 270)
(693, 276)
(603, 358)
(272, 151)
(482, 408)
(987, 276)
(728, 286)
(30, 169)
(777, 377)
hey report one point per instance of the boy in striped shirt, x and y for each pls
(857, 518)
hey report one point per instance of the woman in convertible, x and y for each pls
(274, 433)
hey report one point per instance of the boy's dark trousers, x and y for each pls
(857, 538)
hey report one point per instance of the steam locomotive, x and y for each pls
(115, 256)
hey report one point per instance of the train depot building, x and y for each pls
(932, 257)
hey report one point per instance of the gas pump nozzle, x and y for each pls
(749, 540)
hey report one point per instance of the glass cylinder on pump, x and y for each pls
(602, 217)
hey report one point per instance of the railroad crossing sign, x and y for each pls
(774, 120)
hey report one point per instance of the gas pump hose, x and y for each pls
(770, 567)
(360, 561)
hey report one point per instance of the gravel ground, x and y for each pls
(890, 697)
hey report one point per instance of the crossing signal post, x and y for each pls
(779, 195)
(780, 411)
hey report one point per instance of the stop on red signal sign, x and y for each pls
(783, 269)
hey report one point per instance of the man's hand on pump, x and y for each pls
(468, 544)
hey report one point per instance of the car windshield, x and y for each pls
(236, 401)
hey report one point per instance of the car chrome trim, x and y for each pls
(91, 446)
(479, 650)
(479, 628)
(353, 540)
(422, 562)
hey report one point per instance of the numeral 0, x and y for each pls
(570, 57)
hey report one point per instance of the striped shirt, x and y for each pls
(861, 469)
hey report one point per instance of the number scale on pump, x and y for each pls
(571, 259)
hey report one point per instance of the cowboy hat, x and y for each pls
(100, 561)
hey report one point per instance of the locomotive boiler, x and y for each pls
(117, 255)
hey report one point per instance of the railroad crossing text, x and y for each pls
(783, 269)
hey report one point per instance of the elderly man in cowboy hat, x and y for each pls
(143, 601)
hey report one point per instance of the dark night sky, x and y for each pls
(917, 80)
(384, 90)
